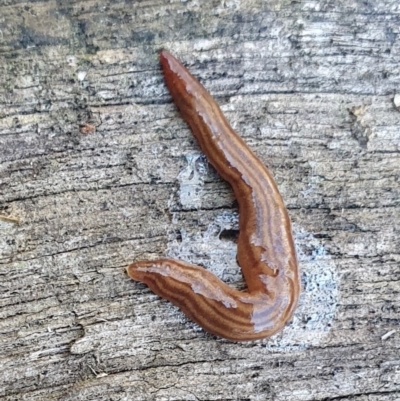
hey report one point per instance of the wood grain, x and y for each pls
(309, 85)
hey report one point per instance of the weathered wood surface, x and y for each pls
(310, 85)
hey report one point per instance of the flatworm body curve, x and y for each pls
(266, 251)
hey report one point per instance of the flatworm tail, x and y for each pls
(266, 251)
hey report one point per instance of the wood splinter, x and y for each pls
(8, 219)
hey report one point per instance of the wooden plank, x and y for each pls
(309, 85)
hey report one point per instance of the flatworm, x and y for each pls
(266, 251)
